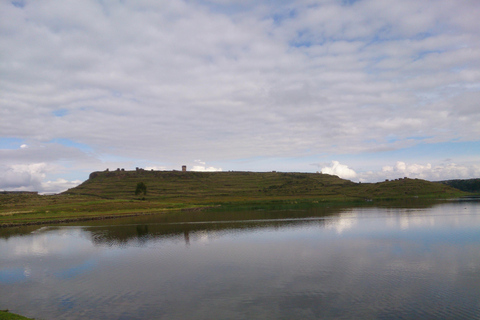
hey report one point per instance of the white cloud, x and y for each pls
(426, 171)
(156, 168)
(205, 169)
(58, 185)
(222, 80)
(201, 166)
(340, 170)
(22, 177)
(31, 177)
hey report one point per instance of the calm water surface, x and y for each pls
(349, 263)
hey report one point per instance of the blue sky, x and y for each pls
(367, 90)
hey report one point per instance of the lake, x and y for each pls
(389, 262)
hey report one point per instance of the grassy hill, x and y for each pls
(467, 185)
(207, 187)
(112, 193)
(215, 187)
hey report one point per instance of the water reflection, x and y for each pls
(340, 220)
(198, 225)
(374, 263)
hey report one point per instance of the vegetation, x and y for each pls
(470, 185)
(5, 315)
(109, 194)
(141, 188)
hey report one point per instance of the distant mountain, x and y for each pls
(469, 185)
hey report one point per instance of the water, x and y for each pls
(329, 263)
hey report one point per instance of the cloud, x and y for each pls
(31, 177)
(58, 185)
(339, 170)
(427, 171)
(161, 82)
(201, 166)
(205, 169)
(22, 177)
(156, 168)
(224, 76)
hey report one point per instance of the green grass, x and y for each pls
(208, 187)
(5, 315)
(112, 194)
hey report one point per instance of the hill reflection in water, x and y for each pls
(192, 226)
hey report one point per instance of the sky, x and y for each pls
(364, 89)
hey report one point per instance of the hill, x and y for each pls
(214, 187)
(208, 187)
(468, 185)
(111, 194)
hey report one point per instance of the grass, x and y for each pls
(112, 194)
(5, 315)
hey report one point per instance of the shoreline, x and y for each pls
(67, 220)
(106, 217)
(235, 206)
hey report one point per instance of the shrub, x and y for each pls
(141, 188)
